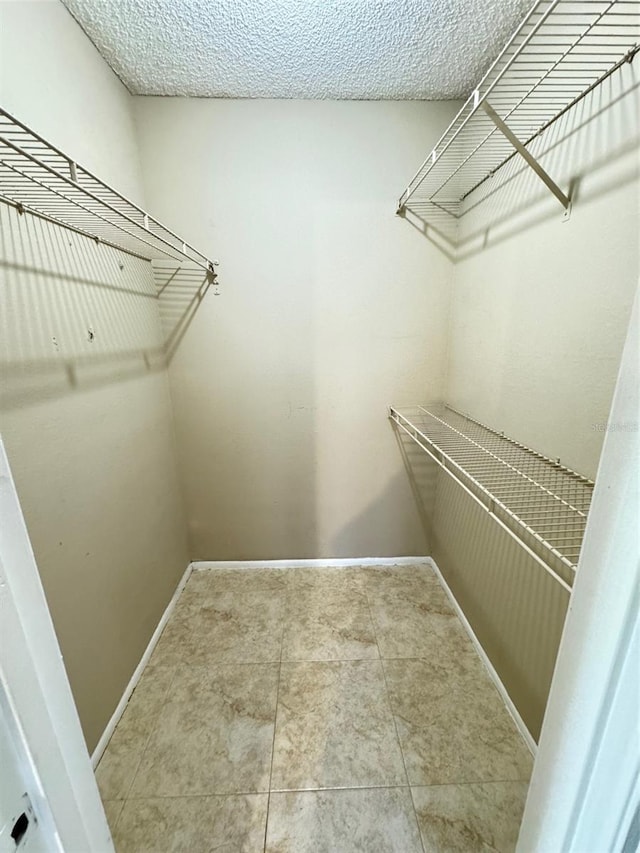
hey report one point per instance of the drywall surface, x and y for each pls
(538, 322)
(541, 306)
(331, 308)
(52, 77)
(87, 424)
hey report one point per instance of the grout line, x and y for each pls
(415, 811)
(216, 662)
(331, 660)
(146, 743)
(313, 790)
(166, 694)
(200, 796)
(393, 716)
(112, 829)
(265, 793)
(275, 721)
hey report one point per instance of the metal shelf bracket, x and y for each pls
(524, 152)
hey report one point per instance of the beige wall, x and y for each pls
(515, 608)
(50, 73)
(538, 322)
(87, 426)
(331, 309)
(541, 306)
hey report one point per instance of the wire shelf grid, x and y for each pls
(38, 178)
(562, 50)
(542, 503)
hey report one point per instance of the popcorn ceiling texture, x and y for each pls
(342, 49)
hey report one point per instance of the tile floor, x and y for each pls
(314, 711)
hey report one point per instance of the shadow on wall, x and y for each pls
(601, 130)
(515, 608)
(180, 292)
(76, 315)
(382, 522)
(422, 473)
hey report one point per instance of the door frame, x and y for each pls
(585, 792)
(34, 680)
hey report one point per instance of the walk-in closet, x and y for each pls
(319, 425)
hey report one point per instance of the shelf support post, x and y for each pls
(564, 200)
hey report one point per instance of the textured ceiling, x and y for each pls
(396, 49)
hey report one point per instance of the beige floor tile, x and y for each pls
(121, 758)
(196, 738)
(172, 647)
(237, 627)
(411, 581)
(112, 809)
(470, 818)
(404, 618)
(434, 637)
(214, 735)
(328, 623)
(452, 723)
(337, 578)
(370, 820)
(118, 765)
(211, 582)
(188, 604)
(334, 727)
(193, 825)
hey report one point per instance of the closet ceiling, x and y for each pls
(360, 49)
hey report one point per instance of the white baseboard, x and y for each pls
(502, 690)
(135, 678)
(207, 565)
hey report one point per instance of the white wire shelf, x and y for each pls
(540, 502)
(39, 179)
(561, 52)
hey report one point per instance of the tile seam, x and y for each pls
(393, 717)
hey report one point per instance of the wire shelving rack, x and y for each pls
(37, 178)
(541, 503)
(562, 51)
